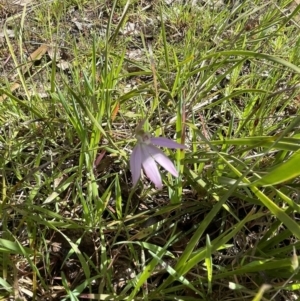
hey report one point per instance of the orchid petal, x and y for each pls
(150, 167)
(136, 163)
(162, 159)
(162, 141)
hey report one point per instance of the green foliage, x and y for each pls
(221, 78)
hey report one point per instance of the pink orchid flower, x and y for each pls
(145, 155)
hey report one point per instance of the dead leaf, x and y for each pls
(22, 2)
(63, 65)
(13, 87)
(52, 52)
(131, 29)
(36, 55)
(10, 33)
(78, 25)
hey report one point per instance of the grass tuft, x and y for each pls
(77, 77)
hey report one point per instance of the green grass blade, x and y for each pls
(286, 171)
(288, 144)
(278, 212)
(208, 264)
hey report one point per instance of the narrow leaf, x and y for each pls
(282, 173)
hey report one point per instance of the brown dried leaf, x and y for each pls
(63, 65)
(22, 2)
(13, 87)
(36, 55)
(52, 52)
